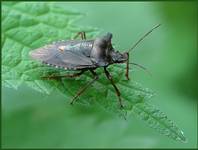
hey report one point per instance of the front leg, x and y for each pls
(115, 87)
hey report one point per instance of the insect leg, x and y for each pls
(127, 68)
(82, 35)
(82, 89)
(115, 87)
(65, 76)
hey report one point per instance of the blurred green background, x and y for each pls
(34, 120)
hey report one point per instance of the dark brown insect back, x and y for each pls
(85, 55)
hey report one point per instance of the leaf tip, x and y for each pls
(182, 138)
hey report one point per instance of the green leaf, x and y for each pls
(159, 121)
(27, 26)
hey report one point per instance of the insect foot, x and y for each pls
(127, 76)
(72, 102)
(120, 104)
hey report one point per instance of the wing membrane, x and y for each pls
(69, 59)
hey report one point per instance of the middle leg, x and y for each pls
(82, 89)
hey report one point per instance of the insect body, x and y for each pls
(84, 55)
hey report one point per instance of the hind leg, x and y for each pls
(55, 77)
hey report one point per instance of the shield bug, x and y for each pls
(85, 55)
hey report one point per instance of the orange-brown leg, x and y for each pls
(115, 87)
(82, 89)
(127, 68)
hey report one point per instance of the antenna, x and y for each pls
(155, 27)
(142, 67)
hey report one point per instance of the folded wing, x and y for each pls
(63, 58)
